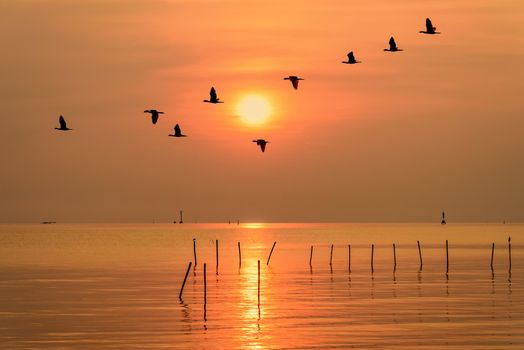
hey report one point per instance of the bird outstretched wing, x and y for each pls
(429, 26)
(63, 124)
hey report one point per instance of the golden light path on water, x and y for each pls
(252, 309)
(117, 287)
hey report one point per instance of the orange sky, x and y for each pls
(397, 138)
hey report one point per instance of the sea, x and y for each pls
(118, 286)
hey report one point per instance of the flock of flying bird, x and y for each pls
(213, 97)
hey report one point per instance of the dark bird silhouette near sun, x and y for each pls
(294, 80)
(178, 132)
(429, 28)
(261, 143)
(154, 114)
(63, 124)
(393, 46)
(213, 98)
(351, 59)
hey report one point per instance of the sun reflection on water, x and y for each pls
(254, 225)
(252, 312)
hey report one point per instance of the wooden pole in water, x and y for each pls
(205, 285)
(271, 252)
(239, 255)
(372, 251)
(217, 255)
(447, 257)
(331, 256)
(258, 282)
(311, 257)
(205, 294)
(194, 252)
(349, 257)
(492, 253)
(394, 258)
(509, 252)
(419, 255)
(184, 283)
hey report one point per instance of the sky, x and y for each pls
(397, 138)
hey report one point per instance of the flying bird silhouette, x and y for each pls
(213, 98)
(294, 80)
(154, 114)
(178, 132)
(351, 59)
(63, 124)
(429, 28)
(262, 143)
(392, 46)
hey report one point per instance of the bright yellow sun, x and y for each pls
(254, 109)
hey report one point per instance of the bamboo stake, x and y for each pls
(447, 257)
(509, 252)
(372, 251)
(419, 255)
(311, 257)
(349, 257)
(271, 252)
(217, 255)
(394, 258)
(205, 294)
(492, 253)
(331, 256)
(184, 283)
(205, 285)
(259, 283)
(194, 252)
(239, 256)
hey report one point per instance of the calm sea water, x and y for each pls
(117, 287)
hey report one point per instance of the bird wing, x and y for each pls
(294, 81)
(213, 94)
(62, 122)
(392, 44)
(429, 26)
(178, 132)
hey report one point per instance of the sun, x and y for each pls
(254, 109)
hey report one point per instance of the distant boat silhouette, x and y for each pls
(262, 143)
(154, 114)
(63, 124)
(213, 98)
(294, 80)
(178, 132)
(429, 28)
(392, 46)
(351, 59)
